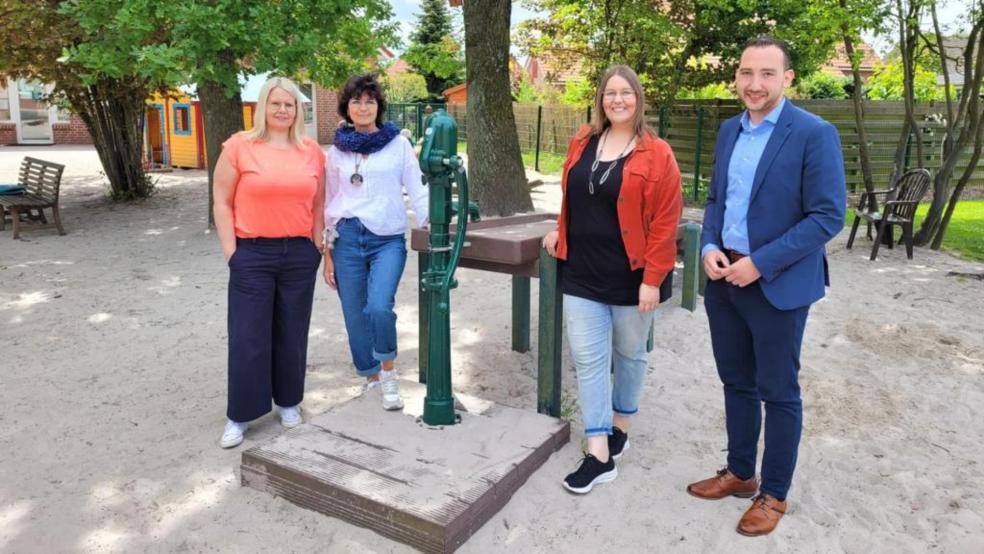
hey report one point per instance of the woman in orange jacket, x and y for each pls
(616, 239)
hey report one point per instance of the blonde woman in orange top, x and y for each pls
(269, 197)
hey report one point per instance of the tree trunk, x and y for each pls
(223, 117)
(113, 113)
(495, 165)
(869, 183)
(963, 128)
(958, 190)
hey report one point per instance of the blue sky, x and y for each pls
(405, 11)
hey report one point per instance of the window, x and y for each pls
(307, 90)
(182, 119)
(4, 102)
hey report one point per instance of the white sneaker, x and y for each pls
(369, 385)
(290, 417)
(233, 434)
(389, 382)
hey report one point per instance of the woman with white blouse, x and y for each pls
(368, 168)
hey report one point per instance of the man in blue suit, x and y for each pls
(777, 196)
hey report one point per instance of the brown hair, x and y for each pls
(355, 87)
(599, 122)
(765, 41)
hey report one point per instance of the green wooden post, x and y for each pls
(423, 318)
(520, 313)
(662, 122)
(589, 114)
(549, 340)
(539, 125)
(691, 263)
(700, 145)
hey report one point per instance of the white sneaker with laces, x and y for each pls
(389, 382)
(233, 434)
(290, 417)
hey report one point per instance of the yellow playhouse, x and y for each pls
(174, 132)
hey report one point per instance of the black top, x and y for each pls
(597, 266)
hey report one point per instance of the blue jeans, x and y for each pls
(603, 337)
(368, 268)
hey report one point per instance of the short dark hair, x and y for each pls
(764, 41)
(355, 87)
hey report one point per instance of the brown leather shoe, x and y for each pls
(723, 484)
(762, 517)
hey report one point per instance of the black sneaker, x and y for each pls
(618, 442)
(590, 474)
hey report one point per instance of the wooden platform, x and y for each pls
(430, 488)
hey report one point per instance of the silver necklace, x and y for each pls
(611, 166)
(357, 178)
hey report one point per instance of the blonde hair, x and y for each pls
(599, 121)
(296, 132)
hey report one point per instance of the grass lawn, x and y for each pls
(964, 235)
(550, 163)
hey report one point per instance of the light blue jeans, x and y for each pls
(603, 337)
(368, 268)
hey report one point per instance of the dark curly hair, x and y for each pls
(355, 87)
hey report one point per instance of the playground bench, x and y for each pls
(41, 181)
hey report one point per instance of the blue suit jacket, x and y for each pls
(797, 204)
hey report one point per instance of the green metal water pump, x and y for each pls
(442, 168)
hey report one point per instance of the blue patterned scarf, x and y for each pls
(347, 139)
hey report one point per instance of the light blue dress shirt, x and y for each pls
(741, 174)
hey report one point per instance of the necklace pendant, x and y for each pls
(356, 179)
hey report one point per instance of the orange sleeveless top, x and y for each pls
(275, 191)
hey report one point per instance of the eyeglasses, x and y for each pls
(612, 94)
(277, 106)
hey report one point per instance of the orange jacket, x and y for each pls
(649, 205)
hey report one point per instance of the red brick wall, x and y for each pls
(71, 132)
(326, 108)
(8, 133)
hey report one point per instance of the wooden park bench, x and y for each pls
(41, 181)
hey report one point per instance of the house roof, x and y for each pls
(454, 89)
(840, 63)
(954, 49)
(553, 68)
(399, 67)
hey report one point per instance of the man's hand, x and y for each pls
(648, 298)
(715, 263)
(741, 273)
(550, 243)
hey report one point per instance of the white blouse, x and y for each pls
(378, 200)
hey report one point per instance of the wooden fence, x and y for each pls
(691, 128)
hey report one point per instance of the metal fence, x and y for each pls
(691, 128)
(411, 116)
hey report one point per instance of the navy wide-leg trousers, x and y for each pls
(271, 291)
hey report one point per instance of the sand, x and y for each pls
(112, 382)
